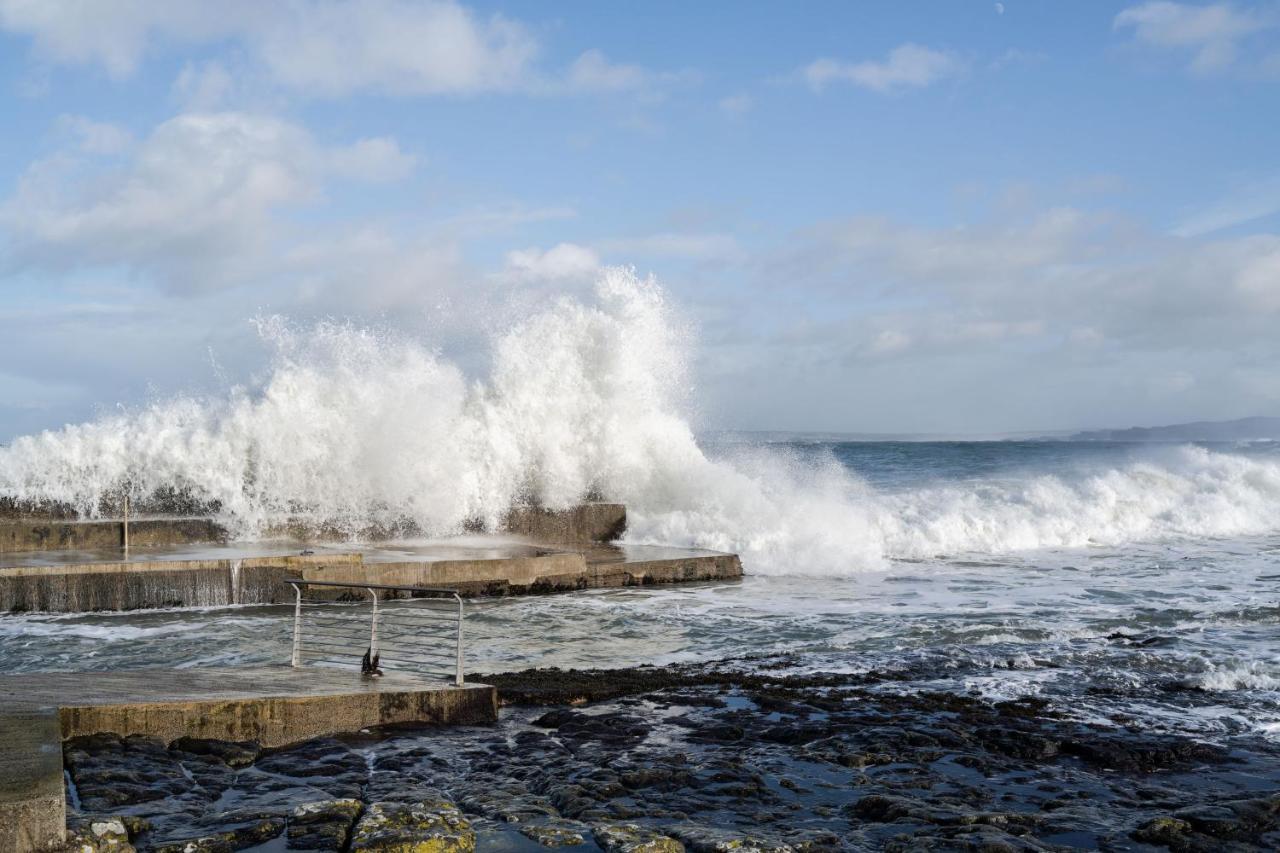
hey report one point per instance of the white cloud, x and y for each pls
(1212, 33)
(96, 137)
(737, 105)
(317, 46)
(1062, 276)
(677, 244)
(115, 35)
(325, 48)
(907, 66)
(593, 72)
(192, 204)
(373, 160)
(204, 86)
(566, 262)
(1257, 200)
(393, 46)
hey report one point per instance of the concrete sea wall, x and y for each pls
(30, 534)
(54, 531)
(85, 587)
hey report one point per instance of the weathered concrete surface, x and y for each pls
(138, 584)
(48, 535)
(473, 568)
(56, 528)
(524, 568)
(641, 565)
(542, 571)
(274, 706)
(33, 814)
(582, 524)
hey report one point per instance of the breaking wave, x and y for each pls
(353, 427)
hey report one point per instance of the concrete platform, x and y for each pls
(212, 575)
(33, 810)
(578, 525)
(274, 706)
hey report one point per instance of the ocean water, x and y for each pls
(1166, 611)
(1114, 580)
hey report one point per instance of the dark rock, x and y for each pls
(231, 753)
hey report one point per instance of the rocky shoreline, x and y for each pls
(747, 754)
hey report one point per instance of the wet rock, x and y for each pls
(110, 772)
(559, 834)
(326, 763)
(1141, 754)
(1170, 832)
(614, 730)
(245, 831)
(713, 757)
(705, 839)
(508, 803)
(231, 753)
(555, 718)
(323, 825)
(1234, 819)
(427, 827)
(631, 838)
(977, 839)
(99, 835)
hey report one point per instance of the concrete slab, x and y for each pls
(274, 706)
(33, 812)
(151, 583)
(255, 573)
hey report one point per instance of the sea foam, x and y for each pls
(351, 427)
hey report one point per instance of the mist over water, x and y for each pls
(354, 426)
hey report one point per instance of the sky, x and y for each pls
(909, 217)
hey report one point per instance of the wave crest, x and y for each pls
(355, 428)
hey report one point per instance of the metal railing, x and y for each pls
(413, 632)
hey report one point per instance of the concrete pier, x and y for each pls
(76, 582)
(274, 706)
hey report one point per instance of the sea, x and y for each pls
(1094, 575)
(1118, 584)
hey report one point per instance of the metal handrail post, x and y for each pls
(373, 630)
(458, 679)
(297, 626)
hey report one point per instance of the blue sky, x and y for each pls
(910, 217)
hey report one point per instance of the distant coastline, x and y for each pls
(1241, 429)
